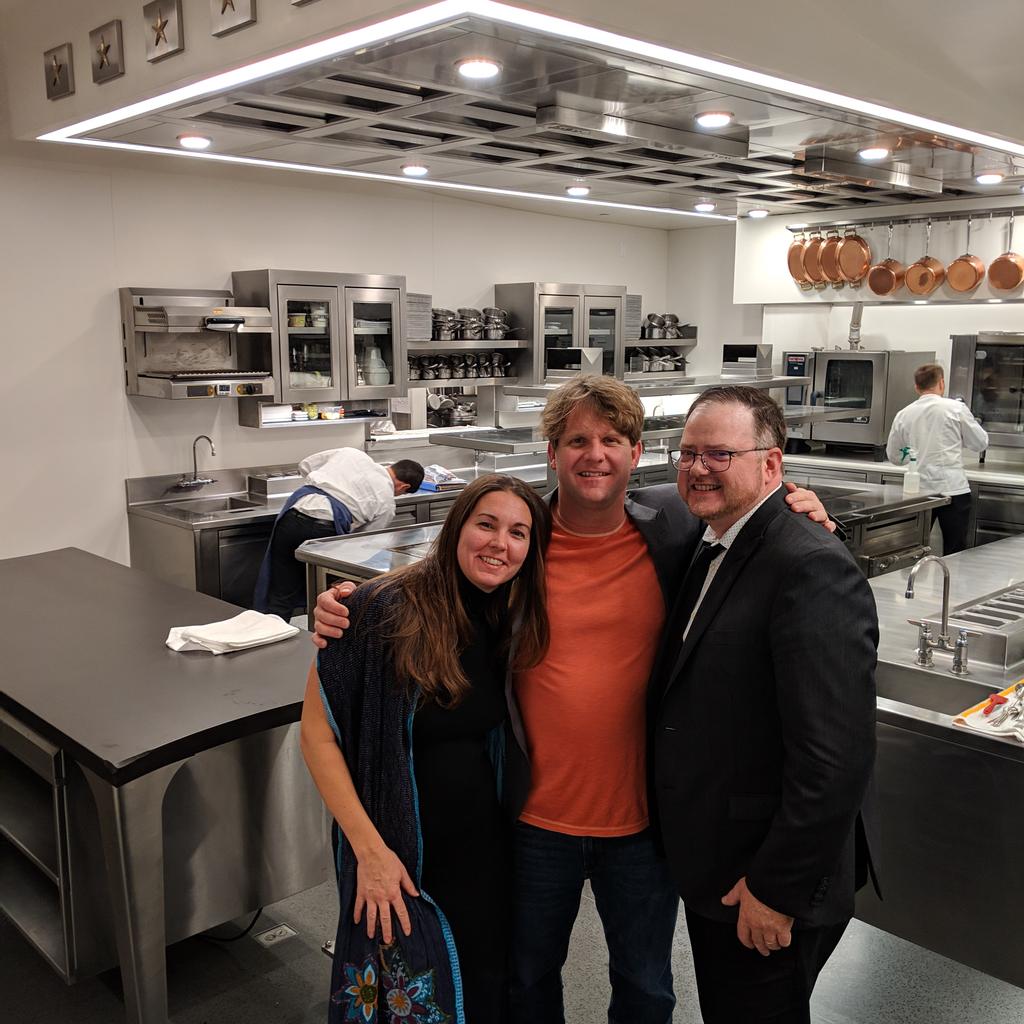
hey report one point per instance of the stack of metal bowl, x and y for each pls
(444, 324)
(496, 323)
(471, 324)
(660, 325)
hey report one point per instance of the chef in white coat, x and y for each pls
(342, 490)
(939, 429)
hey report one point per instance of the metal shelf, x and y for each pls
(27, 818)
(884, 222)
(466, 346)
(662, 343)
(32, 904)
(676, 386)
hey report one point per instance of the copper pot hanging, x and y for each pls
(812, 259)
(1006, 272)
(927, 273)
(795, 260)
(828, 258)
(966, 272)
(887, 277)
(853, 256)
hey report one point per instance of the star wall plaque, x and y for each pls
(227, 15)
(164, 32)
(60, 72)
(106, 51)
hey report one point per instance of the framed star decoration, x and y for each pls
(227, 15)
(106, 52)
(60, 72)
(164, 32)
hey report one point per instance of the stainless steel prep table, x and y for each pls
(192, 761)
(949, 797)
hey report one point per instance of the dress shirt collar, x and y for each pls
(730, 535)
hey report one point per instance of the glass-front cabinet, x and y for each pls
(558, 320)
(335, 337)
(309, 344)
(602, 326)
(374, 339)
(559, 331)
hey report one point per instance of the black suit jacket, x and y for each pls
(763, 725)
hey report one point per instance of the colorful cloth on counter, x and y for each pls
(372, 718)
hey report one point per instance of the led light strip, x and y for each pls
(390, 179)
(448, 10)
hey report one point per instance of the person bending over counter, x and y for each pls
(425, 842)
(343, 489)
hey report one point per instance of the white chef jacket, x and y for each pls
(362, 485)
(938, 429)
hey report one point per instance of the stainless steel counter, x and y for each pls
(949, 797)
(1007, 474)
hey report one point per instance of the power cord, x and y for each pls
(241, 935)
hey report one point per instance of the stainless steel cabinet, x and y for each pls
(336, 337)
(998, 513)
(559, 320)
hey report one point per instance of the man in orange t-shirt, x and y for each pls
(613, 565)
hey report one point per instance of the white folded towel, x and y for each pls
(248, 629)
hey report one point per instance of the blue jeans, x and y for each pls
(636, 902)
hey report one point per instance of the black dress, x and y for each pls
(466, 838)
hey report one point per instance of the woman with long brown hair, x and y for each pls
(425, 837)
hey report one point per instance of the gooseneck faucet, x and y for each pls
(926, 644)
(196, 480)
(944, 635)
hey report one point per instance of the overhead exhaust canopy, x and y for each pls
(610, 128)
(820, 162)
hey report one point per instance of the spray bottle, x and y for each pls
(912, 478)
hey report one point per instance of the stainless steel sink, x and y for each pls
(198, 507)
(934, 691)
(999, 619)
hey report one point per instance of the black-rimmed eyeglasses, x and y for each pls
(715, 460)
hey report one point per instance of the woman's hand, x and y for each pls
(380, 879)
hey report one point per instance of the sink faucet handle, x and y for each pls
(924, 644)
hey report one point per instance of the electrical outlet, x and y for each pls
(276, 934)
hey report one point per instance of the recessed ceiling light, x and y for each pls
(989, 178)
(194, 141)
(714, 119)
(478, 67)
(578, 190)
(414, 170)
(757, 214)
(704, 207)
(873, 153)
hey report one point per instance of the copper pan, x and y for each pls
(887, 277)
(796, 261)
(966, 272)
(812, 259)
(853, 257)
(927, 273)
(1006, 272)
(827, 257)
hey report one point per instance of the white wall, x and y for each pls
(76, 228)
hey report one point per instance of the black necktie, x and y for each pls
(693, 583)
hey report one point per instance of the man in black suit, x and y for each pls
(763, 723)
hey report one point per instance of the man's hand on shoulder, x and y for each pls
(330, 614)
(807, 503)
(759, 927)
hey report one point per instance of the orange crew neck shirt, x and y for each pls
(584, 705)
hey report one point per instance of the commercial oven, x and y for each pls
(874, 386)
(987, 372)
